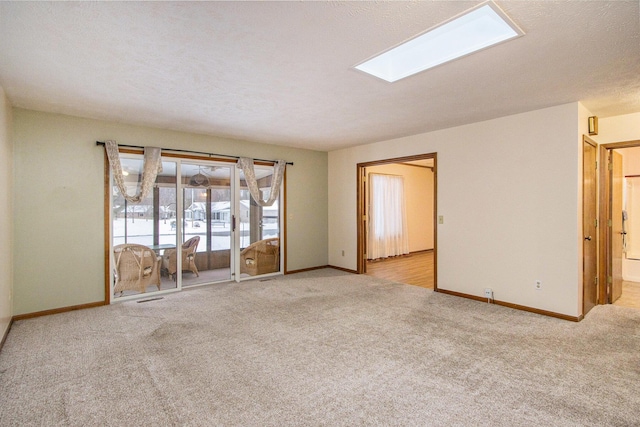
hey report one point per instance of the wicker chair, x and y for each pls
(136, 267)
(170, 258)
(261, 257)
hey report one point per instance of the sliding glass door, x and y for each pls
(206, 223)
(199, 225)
(259, 228)
(142, 232)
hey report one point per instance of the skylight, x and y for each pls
(479, 28)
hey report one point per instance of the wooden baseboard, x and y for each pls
(343, 269)
(57, 310)
(421, 251)
(6, 333)
(302, 270)
(514, 306)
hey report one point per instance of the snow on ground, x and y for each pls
(140, 231)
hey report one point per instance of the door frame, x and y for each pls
(233, 186)
(590, 264)
(179, 158)
(361, 206)
(604, 215)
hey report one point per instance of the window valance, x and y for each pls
(152, 167)
(246, 164)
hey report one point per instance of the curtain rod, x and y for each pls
(192, 152)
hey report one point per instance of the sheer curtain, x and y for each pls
(152, 167)
(246, 164)
(388, 234)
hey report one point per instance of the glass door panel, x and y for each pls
(206, 223)
(142, 233)
(195, 230)
(259, 228)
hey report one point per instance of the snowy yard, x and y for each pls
(140, 231)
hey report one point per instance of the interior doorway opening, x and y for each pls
(416, 263)
(620, 212)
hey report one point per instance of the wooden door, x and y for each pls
(589, 215)
(615, 269)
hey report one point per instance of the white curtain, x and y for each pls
(632, 224)
(151, 168)
(246, 164)
(388, 234)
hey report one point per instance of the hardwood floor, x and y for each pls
(413, 269)
(630, 295)
(417, 269)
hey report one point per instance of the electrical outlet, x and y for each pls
(488, 293)
(538, 285)
(343, 253)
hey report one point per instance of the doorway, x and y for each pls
(200, 225)
(620, 212)
(418, 266)
(206, 234)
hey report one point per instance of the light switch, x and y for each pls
(440, 219)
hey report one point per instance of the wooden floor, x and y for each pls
(413, 269)
(417, 269)
(630, 295)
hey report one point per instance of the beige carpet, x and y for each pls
(320, 348)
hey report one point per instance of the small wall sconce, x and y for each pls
(593, 125)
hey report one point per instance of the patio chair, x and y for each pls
(136, 267)
(170, 258)
(261, 257)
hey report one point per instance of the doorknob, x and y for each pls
(588, 238)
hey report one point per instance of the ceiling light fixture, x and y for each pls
(478, 28)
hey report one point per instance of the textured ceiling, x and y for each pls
(281, 72)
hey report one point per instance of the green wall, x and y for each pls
(6, 214)
(59, 202)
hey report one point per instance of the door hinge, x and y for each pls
(596, 223)
(610, 166)
(595, 280)
(609, 223)
(596, 165)
(609, 279)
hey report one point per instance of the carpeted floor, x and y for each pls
(320, 348)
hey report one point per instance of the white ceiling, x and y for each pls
(281, 72)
